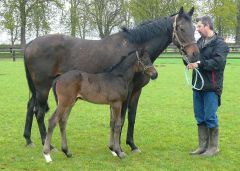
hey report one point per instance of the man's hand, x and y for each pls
(193, 65)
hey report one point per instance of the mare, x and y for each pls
(102, 88)
(49, 56)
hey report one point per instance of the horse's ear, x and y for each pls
(141, 51)
(191, 11)
(181, 11)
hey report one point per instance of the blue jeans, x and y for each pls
(205, 106)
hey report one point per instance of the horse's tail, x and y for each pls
(54, 89)
(29, 78)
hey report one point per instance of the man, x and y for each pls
(211, 64)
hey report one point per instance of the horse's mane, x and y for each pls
(148, 30)
(120, 62)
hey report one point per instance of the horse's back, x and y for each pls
(57, 54)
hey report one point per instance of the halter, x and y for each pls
(176, 37)
(140, 62)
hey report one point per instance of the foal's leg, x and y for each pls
(117, 129)
(62, 125)
(132, 108)
(52, 122)
(111, 137)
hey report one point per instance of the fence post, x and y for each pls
(12, 51)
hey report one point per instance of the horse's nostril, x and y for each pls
(154, 76)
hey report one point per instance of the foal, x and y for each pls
(104, 88)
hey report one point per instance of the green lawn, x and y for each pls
(165, 129)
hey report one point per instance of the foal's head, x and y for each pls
(145, 65)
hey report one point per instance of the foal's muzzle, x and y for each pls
(154, 76)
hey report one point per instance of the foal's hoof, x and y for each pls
(113, 152)
(121, 155)
(47, 158)
(136, 150)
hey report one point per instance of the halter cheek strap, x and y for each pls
(140, 62)
(176, 37)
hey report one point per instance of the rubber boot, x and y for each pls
(213, 142)
(203, 137)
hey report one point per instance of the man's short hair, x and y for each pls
(206, 20)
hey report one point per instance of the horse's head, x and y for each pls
(145, 64)
(183, 35)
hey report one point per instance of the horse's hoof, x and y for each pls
(69, 155)
(136, 150)
(121, 155)
(47, 158)
(30, 145)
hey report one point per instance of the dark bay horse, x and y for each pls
(102, 88)
(52, 55)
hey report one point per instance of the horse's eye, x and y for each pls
(182, 29)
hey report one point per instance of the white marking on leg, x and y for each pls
(47, 157)
(113, 153)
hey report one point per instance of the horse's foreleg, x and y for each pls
(28, 122)
(132, 109)
(117, 130)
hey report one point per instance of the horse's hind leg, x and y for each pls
(62, 125)
(28, 122)
(42, 97)
(132, 108)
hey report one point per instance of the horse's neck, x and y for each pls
(126, 69)
(158, 44)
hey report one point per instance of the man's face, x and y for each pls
(202, 30)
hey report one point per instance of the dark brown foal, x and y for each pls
(104, 88)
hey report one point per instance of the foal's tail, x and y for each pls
(54, 89)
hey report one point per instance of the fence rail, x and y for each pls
(171, 49)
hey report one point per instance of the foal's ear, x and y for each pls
(141, 51)
(191, 11)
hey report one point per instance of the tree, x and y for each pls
(40, 15)
(28, 11)
(143, 10)
(106, 15)
(223, 12)
(11, 22)
(238, 23)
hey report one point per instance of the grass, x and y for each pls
(165, 128)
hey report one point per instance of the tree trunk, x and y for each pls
(23, 23)
(238, 24)
(73, 10)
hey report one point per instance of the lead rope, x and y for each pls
(187, 76)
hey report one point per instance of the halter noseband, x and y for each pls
(140, 62)
(175, 36)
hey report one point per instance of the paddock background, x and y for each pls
(165, 128)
